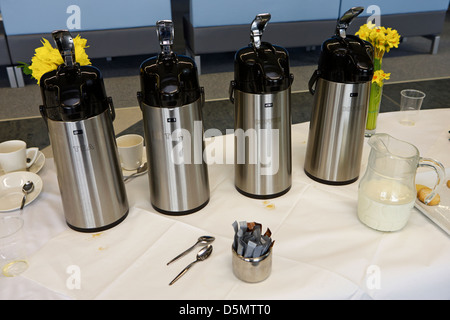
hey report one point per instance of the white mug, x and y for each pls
(130, 147)
(14, 155)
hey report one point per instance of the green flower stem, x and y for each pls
(377, 64)
(374, 106)
(375, 99)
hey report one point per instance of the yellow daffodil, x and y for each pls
(47, 58)
(382, 39)
(80, 54)
(393, 39)
(379, 76)
(364, 31)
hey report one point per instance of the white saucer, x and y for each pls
(127, 173)
(38, 164)
(11, 189)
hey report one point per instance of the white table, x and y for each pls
(321, 251)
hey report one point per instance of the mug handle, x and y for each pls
(440, 172)
(32, 154)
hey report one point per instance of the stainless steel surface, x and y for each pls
(178, 174)
(140, 171)
(202, 255)
(336, 132)
(27, 188)
(202, 240)
(89, 173)
(263, 164)
(251, 269)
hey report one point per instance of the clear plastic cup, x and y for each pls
(13, 257)
(410, 105)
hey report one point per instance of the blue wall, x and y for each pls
(44, 16)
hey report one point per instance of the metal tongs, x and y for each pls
(257, 28)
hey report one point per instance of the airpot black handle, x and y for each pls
(64, 43)
(312, 81)
(346, 19)
(165, 31)
(257, 28)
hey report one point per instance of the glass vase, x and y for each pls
(376, 92)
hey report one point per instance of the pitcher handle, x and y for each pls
(440, 172)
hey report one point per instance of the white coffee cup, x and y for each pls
(14, 155)
(130, 147)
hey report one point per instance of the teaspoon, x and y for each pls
(141, 170)
(27, 188)
(203, 254)
(202, 240)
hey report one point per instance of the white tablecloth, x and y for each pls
(321, 251)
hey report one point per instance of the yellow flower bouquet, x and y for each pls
(383, 40)
(376, 91)
(47, 58)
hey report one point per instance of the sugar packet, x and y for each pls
(249, 241)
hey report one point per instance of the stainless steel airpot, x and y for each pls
(261, 93)
(79, 117)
